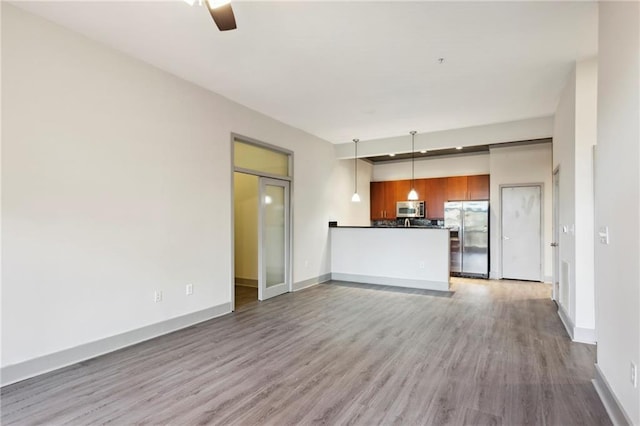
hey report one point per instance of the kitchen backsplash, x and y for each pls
(400, 222)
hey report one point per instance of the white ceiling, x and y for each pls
(342, 70)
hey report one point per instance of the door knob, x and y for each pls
(554, 244)
(506, 238)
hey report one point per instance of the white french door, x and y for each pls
(274, 242)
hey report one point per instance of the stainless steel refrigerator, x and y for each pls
(468, 222)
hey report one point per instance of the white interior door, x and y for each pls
(521, 232)
(274, 242)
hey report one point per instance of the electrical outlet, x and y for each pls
(306, 263)
(634, 375)
(157, 296)
(422, 265)
(189, 289)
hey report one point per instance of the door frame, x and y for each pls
(246, 139)
(519, 185)
(555, 234)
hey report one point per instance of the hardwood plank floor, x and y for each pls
(245, 296)
(489, 352)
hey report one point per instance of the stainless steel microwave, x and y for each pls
(410, 209)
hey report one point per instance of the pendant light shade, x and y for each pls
(413, 195)
(355, 198)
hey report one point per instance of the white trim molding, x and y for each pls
(50, 362)
(577, 334)
(614, 409)
(391, 281)
(300, 285)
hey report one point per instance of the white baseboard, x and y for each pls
(548, 279)
(311, 282)
(584, 335)
(396, 282)
(577, 334)
(46, 363)
(614, 409)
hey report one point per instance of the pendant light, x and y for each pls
(355, 198)
(413, 195)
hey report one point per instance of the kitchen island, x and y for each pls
(413, 257)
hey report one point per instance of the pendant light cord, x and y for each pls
(413, 135)
(355, 162)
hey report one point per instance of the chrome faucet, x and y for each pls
(407, 223)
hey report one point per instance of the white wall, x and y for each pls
(342, 209)
(524, 164)
(531, 128)
(574, 139)
(246, 226)
(117, 182)
(372, 256)
(586, 138)
(564, 158)
(617, 182)
(464, 165)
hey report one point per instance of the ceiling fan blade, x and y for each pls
(223, 17)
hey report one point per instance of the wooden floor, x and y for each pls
(245, 296)
(489, 353)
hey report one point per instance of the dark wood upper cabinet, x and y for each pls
(420, 186)
(435, 192)
(402, 189)
(383, 199)
(456, 188)
(392, 194)
(377, 194)
(435, 195)
(478, 187)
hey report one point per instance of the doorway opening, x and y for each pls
(245, 208)
(261, 241)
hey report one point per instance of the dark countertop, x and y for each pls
(391, 227)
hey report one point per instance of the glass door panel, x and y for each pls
(274, 244)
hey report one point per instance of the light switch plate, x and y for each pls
(603, 235)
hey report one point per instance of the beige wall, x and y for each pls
(574, 141)
(521, 165)
(246, 227)
(342, 209)
(472, 164)
(116, 182)
(617, 182)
